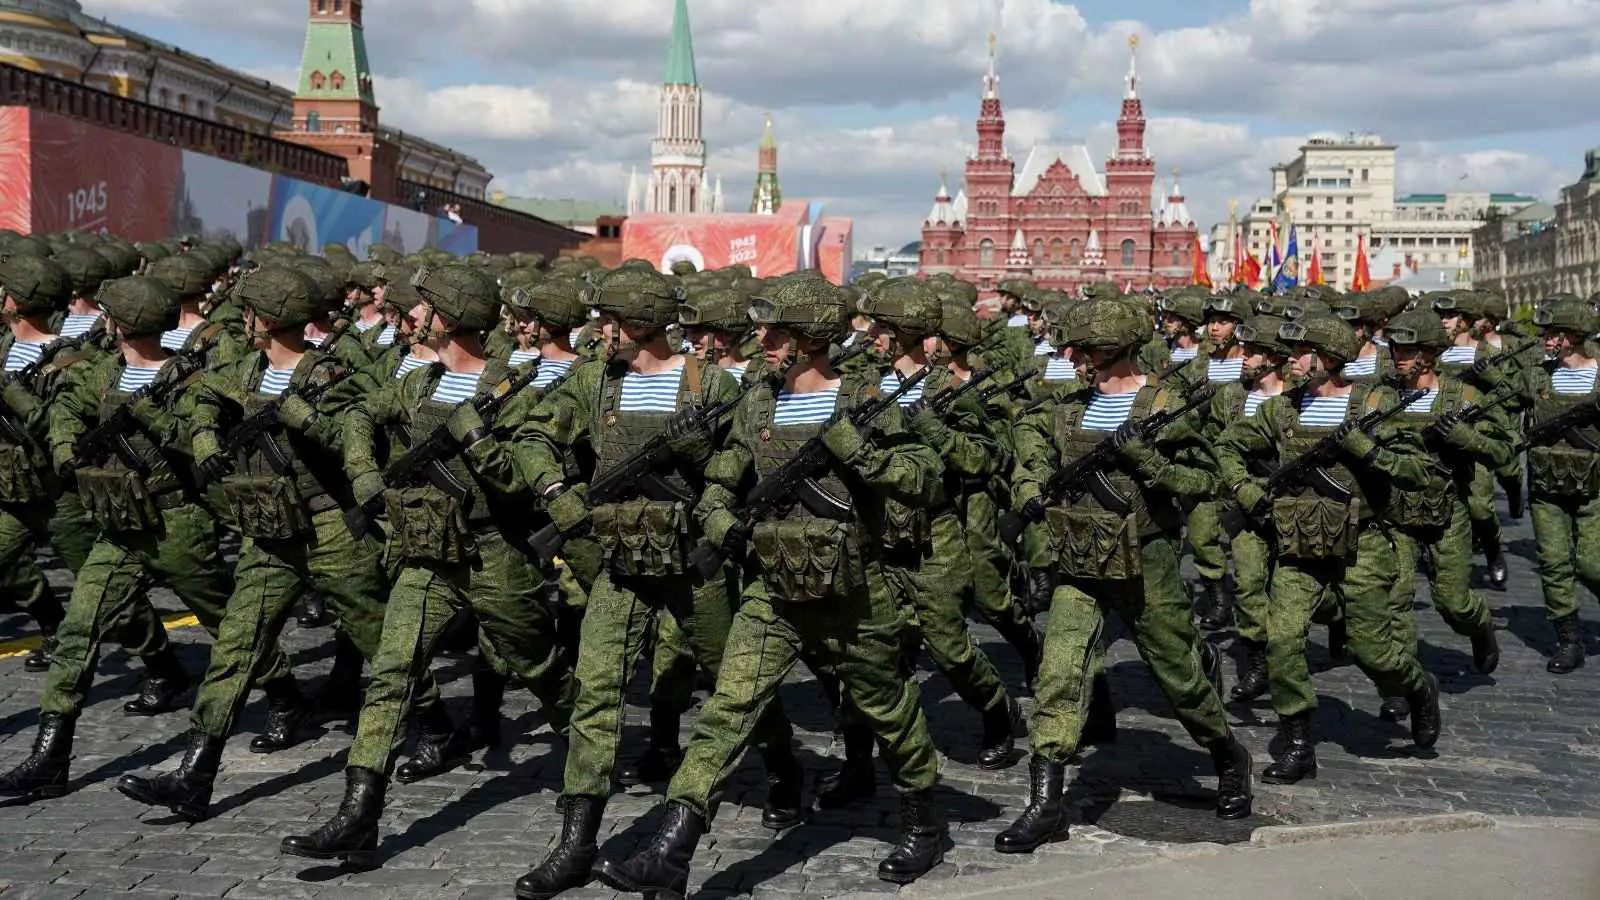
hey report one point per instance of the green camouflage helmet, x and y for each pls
(37, 285)
(1103, 290)
(1185, 307)
(139, 305)
(1493, 305)
(1303, 308)
(1565, 312)
(1014, 287)
(287, 295)
(1261, 330)
(362, 275)
(958, 323)
(1106, 325)
(1229, 306)
(465, 296)
(1417, 328)
(809, 307)
(327, 281)
(87, 268)
(123, 258)
(718, 309)
(1329, 335)
(556, 300)
(637, 295)
(383, 253)
(683, 267)
(904, 304)
(29, 245)
(188, 275)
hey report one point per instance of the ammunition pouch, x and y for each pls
(1561, 471)
(643, 537)
(266, 507)
(1426, 509)
(429, 526)
(1094, 543)
(808, 559)
(118, 500)
(1315, 528)
(20, 480)
(906, 528)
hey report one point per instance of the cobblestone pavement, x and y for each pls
(1522, 742)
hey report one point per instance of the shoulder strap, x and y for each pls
(691, 375)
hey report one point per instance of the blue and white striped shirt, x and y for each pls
(1225, 369)
(1184, 354)
(737, 370)
(79, 325)
(1060, 368)
(653, 393)
(518, 357)
(135, 377)
(1323, 412)
(275, 381)
(364, 327)
(174, 340)
(386, 336)
(1361, 367)
(1425, 402)
(408, 364)
(1043, 348)
(891, 383)
(805, 409)
(23, 354)
(1108, 412)
(1017, 321)
(1565, 381)
(1461, 356)
(457, 387)
(549, 371)
(1252, 402)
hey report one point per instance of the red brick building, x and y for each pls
(1059, 220)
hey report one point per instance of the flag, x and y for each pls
(1289, 272)
(1362, 278)
(1314, 271)
(1201, 276)
(1238, 256)
(1272, 257)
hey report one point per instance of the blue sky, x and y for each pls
(871, 98)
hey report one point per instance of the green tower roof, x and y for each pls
(335, 47)
(680, 52)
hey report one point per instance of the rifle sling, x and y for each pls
(817, 501)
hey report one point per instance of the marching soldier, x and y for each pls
(1222, 364)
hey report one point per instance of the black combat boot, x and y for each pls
(1425, 715)
(1234, 789)
(1569, 653)
(187, 790)
(313, 612)
(165, 683)
(288, 713)
(662, 868)
(661, 756)
(1486, 650)
(1487, 535)
(786, 778)
(1039, 590)
(1338, 642)
(43, 773)
(1214, 608)
(1299, 759)
(352, 834)
(1025, 638)
(857, 778)
(1253, 681)
(1100, 724)
(569, 863)
(922, 839)
(1211, 666)
(1516, 500)
(340, 697)
(38, 659)
(440, 748)
(1044, 818)
(483, 719)
(1000, 726)
(1394, 709)
(49, 614)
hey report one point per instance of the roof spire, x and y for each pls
(1133, 67)
(767, 140)
(680, 50)
(991, 81)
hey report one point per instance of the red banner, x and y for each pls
(769, 245)
(93, 179)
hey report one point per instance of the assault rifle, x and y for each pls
(11, 424)
(257, 428)
(1564, 425)
(637, 473)
(1481, 367)
(1473, 413)
(110, 436)
(1088, 472)
(994, 392)
(948, 398)
(794, 479)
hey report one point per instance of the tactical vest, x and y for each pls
(1429, 509)
(805, 556)
(203, 339)
(908, 528)
(279, 483)
(649, 533)
(1322, 522)
(1100, 534)
(25, 475)
(123, 498)
(1569, 467)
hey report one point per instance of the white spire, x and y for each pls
(1093, 257)
(958, 208)
(716, 196)
(1133, 68)
(991, 81)
(941, 211)
(1018, 257)
(1163, 214)
(1179, 211)
(1017, 243)
(633, 191)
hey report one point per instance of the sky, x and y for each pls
(871, 99)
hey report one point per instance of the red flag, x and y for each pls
(1314, 274)
(1362, 279)
(1238, 256)
(1201, 276)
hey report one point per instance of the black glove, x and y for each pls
(214, 468)
(1033, 510)
(736, 542)
(1125, 434)
(1041, 588)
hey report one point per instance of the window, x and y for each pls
(1363, 171)
(1349, 201)
(672, 199)
(1350, 215)
(1076, 250)
(691, 207)
(940, 256)
(986, 253)
(1328, 214)
(337, 79)
(313, 121)
(1056, 252)
(1127, 253)
(322, 7)
(1177, 257)
(1330, 201)
(338, 7)
(1038, 250)
(318, 80)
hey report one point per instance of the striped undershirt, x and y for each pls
(549, 371)
(572, 336)
(1225, 369)
(1424, 403)
(135, 377)
(1043, 348)
(1323, 412)
(79, 325)
(805, 409)
(656, 392)
(274, 382)
(23, 354)
(518, 357)
(1462, 356)
(1108, 412)
(1252, 402)
(1361, 367)
(456, 387)
(386, 336)
(175, 339)
(891, 383)
(1564, 380)
(1184, 354)
(1017, 321)
(316, 340)
(737, 370)
(1060, 368)
(408, 364)
(364, 327)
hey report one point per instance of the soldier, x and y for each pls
(286, 491)
(1330, 549)
(363, 301)
(1431, 525)
(1115, 549)
(456, 548)
(87, 268)
(645, 533)
(191, 278)
(814, 589)
(153, 529)
(1366, 314)
(1181, 318)
(1222, 364)
(1564, 470)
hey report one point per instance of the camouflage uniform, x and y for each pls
(1206, 537)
